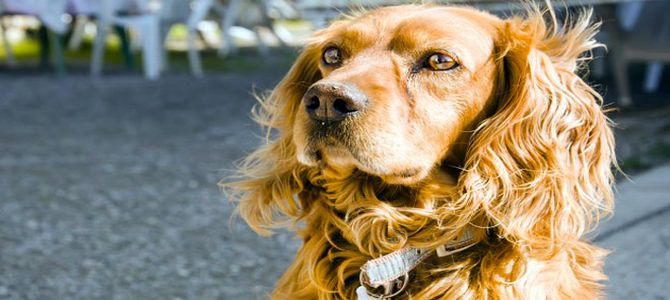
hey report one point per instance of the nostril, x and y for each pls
(342, 107)
(313, 103)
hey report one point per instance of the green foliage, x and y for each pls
(247, 60)
(660, 150)
(633, 164)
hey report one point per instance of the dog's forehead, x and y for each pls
(413, 28)
(444, 23)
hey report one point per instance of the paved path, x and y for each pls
(639, 236)
(108, 188)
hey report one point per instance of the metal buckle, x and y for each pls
(388, 290)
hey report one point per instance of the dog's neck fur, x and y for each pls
(359, 218)
(354, 217)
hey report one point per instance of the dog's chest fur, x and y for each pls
(348, 224)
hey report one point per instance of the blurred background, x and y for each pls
(119, 117)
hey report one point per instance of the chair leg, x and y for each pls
(45, 48)
(99, 45)
(57, 53)
(620, 68)
(77, 33)
(165, 55)
(283, 35)
(227, 21)
(125, 46)
(227, 45)
(262, 48)
(653, 76)
(599, 63)
(151, 50)
(193, 53)
(11, 61)
(199, 11)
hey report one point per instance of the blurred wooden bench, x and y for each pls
(647, 39)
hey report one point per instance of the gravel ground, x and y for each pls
(108, 187)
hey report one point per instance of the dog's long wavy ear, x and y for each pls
(541, 166)
(268, 178)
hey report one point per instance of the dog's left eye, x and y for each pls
(332, 56)
(440, 62)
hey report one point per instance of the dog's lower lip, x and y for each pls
(406, 173)
(326, 124)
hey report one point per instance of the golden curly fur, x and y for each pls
(512, 142)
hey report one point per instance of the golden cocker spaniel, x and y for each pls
(410, 127)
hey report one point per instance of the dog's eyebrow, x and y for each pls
(352, 37)
(418, 36)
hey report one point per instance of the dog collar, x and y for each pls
(387, 276)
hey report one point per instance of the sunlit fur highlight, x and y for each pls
(536, 177)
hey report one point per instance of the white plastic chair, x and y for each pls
(188, 13)
(145, 22)
(192, 13)
(229, 13)
(83, 9)
(49, 12)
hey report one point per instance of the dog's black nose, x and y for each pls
(332, 101)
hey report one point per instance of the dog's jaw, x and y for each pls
(344, 159)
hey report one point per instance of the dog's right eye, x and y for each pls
(440, 62)
(332, 56)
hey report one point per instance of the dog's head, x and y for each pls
(397, 90)
(399, 93)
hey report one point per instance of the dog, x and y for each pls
(407, 130)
